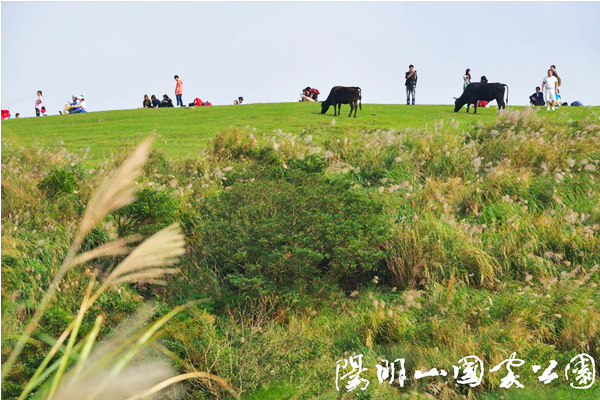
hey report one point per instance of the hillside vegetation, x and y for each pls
(411, 233)
(183, 132)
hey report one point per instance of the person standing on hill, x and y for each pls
(550, 88)
(466, 79)
(411, 84)
(555, 74)
(40, 109)
(179, 90)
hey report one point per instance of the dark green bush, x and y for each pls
(152, 211)
(312, 163)
(60, 181)
(286, 240)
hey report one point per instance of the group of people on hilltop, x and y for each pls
(548, 94)
(551, 93)
(76, 106)
(153, 102)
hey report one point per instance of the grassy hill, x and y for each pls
(408, 232)
(184, 132)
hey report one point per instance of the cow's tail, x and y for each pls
(360, 99)
(506, 93)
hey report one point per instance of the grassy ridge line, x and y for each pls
(184, 132)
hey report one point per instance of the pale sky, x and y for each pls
(115, 52)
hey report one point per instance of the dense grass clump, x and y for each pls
(290, 238)
(427, 242)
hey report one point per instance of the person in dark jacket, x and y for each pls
(155, 101)
(147, 103)
(537, 99)
(411, 84)
(166, 101)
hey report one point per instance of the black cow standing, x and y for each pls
(482, 91)
(343, 95)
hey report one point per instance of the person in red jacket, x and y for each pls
(179, 90)
(310, 94)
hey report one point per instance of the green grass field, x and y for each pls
(184, 132)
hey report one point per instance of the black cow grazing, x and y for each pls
(343, 95)
(482, 91)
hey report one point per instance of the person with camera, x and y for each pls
(411, 84)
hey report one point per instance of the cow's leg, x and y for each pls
(339, 109)
(355, 107)
(351, 104)
(475, 108)
(501, 104)
(335, 109)
(468, 106)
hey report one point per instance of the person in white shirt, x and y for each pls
(80, 107)
(466, 79)
(550, 88)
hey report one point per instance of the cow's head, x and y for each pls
(458, 103)
(324, 107)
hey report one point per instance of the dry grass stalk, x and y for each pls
(111, 195)
(85, 304)
(117, 191)
(146, 261)
(115, 248)
(180, 378)
(130, 381)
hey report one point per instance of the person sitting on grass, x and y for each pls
(80, 107)
(240, 100)
(537, 99)
(310, 94)
(147, 103)
(166, 101)
(68, 105)
(155, 101)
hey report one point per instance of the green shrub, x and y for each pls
(157, 163)
(281, 240)
(152, 211)
(61, 180)
(312, 163)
